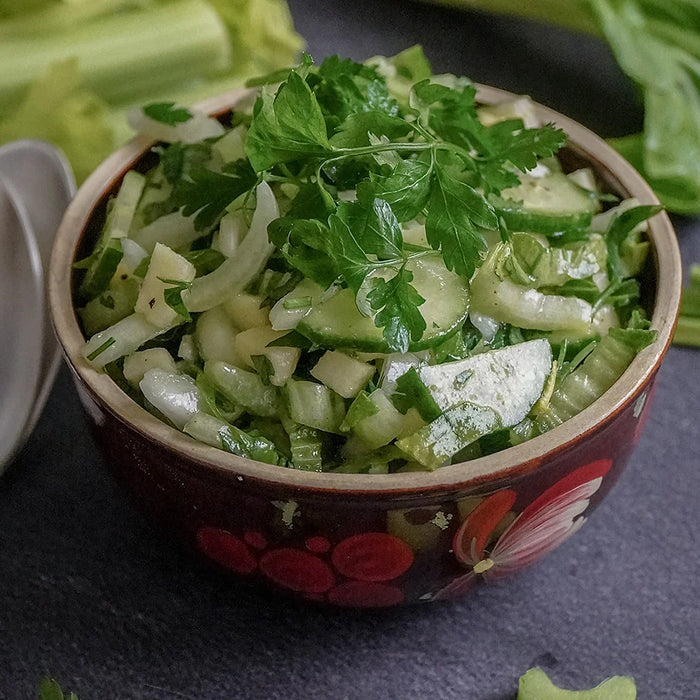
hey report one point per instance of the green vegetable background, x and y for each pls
(71, 68)
(657, 43)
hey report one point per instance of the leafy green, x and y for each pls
(658, 45)
(173, 296)
(81, 108)
(286, 127)
(49, 689)
(455, 211)
(205, 260)
(167, 113)
(207, 193)
(338, 127)
(535, 685)
(396, 303)
(688, 328)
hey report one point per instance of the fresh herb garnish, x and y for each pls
(337, 126)
(99, 350)
(173, 296)
(167, 113)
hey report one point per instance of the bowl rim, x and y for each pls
(462, 476)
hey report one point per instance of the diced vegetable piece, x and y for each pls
(520, 108)
(187, 349)
(342, 373)
(166, 269)
(547, 204)
(376, 422)
(246, 311)
(254, 342)
(114, 304)
(124, 205)
(123, 338)
(551, 266)
(237, 271)
(217, 433)
(176, 396)
(314, 405)
(230, 147)
(508, 380)
(232, 230)
(396, 365)
(137, 364)
(305, 445)
(336, 322)
(243, 388)
(435, 444)
(173, 230)
(215, 336)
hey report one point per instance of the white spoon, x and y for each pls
(22, 311)
(43, 182)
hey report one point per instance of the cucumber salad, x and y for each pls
(362, 270)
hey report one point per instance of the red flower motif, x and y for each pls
(549, 520)
(226, 549)
(372, 556)
(255, 539)
(365, 594)
(297, 570)
(318, 544)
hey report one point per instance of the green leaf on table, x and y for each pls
(535, 685)
(49, 689)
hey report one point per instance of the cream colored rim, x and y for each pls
(458, 476)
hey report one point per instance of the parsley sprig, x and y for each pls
(337, 127)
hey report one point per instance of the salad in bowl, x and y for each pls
(363, 271)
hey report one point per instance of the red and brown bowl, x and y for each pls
(366, 540)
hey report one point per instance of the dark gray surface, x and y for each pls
(91, 593)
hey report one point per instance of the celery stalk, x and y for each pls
(123, 56)
(574, 14)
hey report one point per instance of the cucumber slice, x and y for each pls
(523, 306)
(508, 380)
(550, 204)
(336, 322)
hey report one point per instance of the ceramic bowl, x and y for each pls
(371, 540)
